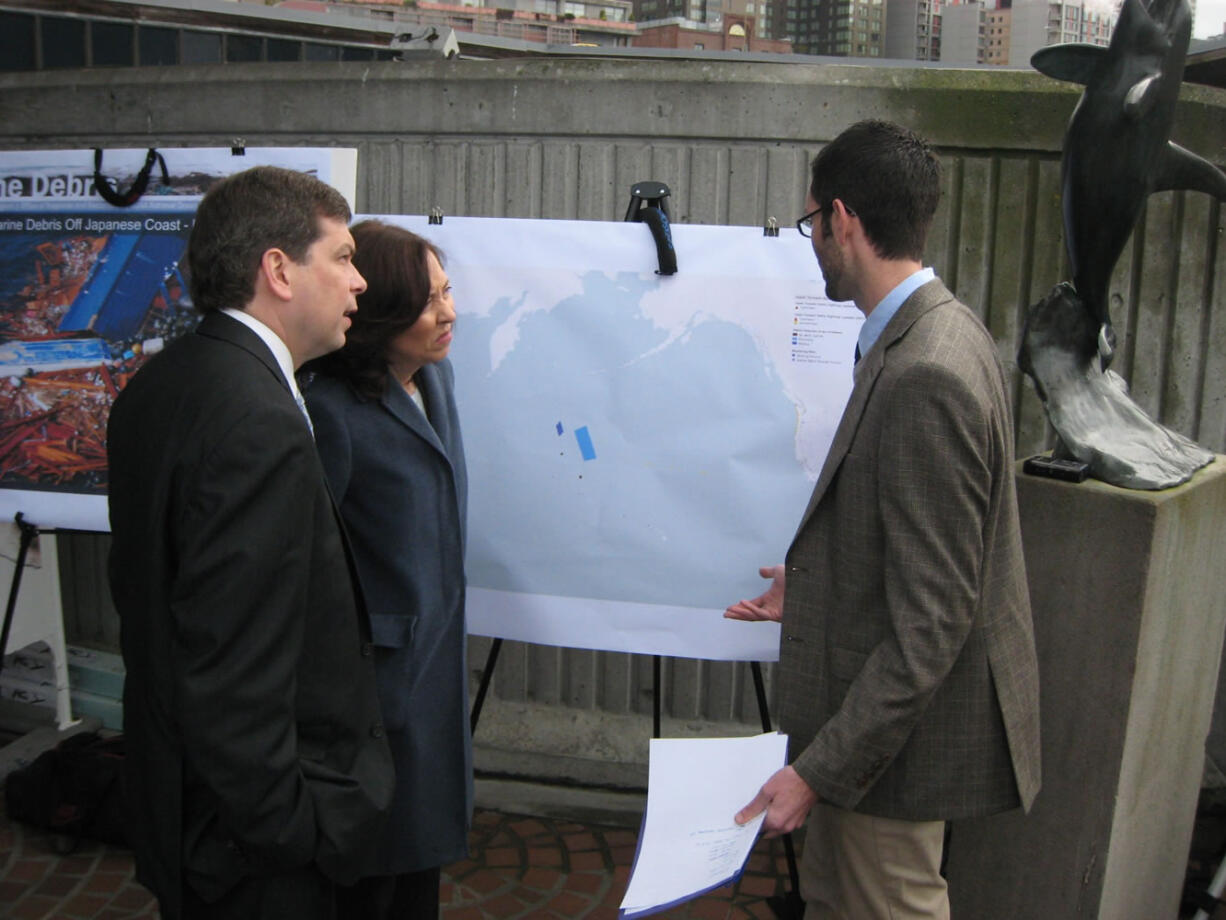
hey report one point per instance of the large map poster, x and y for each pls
(88, 292)
(637, 444)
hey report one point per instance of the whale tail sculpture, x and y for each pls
(1117, 151)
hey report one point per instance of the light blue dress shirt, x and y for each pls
(876, 321)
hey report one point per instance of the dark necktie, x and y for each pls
(857, 361)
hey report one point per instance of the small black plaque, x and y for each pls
(1053, 468)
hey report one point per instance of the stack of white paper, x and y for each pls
(689, 843)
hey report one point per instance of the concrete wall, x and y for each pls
(567, 138)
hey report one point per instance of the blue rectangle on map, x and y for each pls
(585, 443)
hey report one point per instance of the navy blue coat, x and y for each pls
(402, 487)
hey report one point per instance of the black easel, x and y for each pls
(649, 205)
(491, 659)
(788, 906)
(28, 533)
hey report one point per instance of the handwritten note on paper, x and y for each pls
(689, 843)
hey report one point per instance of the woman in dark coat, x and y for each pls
(385, 421)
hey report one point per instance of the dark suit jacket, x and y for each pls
(909, 684)
(402, 488)
(254, 736)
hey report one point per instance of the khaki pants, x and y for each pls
(858, 867)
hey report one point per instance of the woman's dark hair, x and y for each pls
(393, 262)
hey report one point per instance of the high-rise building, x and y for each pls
(913, 30)
(997, 23)
(843, 28)
(735, 33)
(711, 12)
(666, 9)
(771, 18)
(1036, 24)
(973, 33)
(608, 10)
(964, 33)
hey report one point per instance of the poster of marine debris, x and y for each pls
(88, 293)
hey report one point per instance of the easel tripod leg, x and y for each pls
(788, 906)
(655, 696)
(28, 533)
(487, 675)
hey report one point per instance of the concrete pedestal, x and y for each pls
(1129, 597)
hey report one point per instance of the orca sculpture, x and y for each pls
(1117, 148)
(1116, 152)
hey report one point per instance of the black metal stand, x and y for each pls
(28, 533)
(1209, 900)
(647, 194)
(649, 205)
(491, 659)
(656, 669)
(787, 907)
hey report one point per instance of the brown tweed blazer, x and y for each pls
(907, 674)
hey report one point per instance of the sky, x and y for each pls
(1208, 21)
(1210, 14)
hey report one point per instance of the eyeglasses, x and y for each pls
(805, 224)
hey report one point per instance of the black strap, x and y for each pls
(125, 199)
(657, 222)
(1202, 900)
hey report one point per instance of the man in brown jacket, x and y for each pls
(907, 676)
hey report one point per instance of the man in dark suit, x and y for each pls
(258, 770)
(907, 676)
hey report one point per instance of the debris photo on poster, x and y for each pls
(88, 293)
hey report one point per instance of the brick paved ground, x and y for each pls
(521, 867)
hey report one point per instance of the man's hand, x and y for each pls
(768, 606)
(787, 799)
